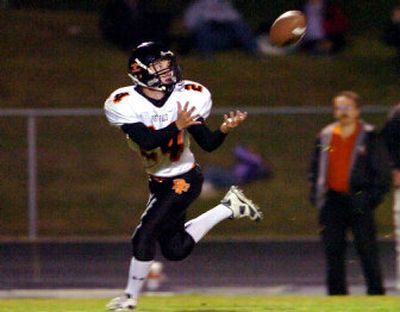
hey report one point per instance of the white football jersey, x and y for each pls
(126, 106)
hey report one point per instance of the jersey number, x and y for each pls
(174, 148)
(194, 87)
(118, 97)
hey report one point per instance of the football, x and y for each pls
(288, 28)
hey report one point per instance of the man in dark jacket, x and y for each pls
(349, 176)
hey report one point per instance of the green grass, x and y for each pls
(86, 171)
(199, 303)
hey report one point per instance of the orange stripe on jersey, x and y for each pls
(180, 138)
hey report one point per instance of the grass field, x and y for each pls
(199, 303)
(86, 171)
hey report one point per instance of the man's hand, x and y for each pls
(185, 118)
(232, 121)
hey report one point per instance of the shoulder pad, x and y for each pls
(118, 107)
(200, 97)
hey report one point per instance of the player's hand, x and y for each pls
(185, 118)
(232, 121)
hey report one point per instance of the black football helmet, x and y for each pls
(139, 66)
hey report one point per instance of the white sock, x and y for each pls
(200, 226)
(138, 271)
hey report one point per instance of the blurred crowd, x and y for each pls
(208, 26)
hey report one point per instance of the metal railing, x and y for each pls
(31, 116)
(31, 133)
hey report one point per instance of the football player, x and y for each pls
(159, 113)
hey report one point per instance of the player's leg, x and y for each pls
(198, 227)
(234, 205)
(138, 271)
(178, 238)
(144, 242)
(175, 243)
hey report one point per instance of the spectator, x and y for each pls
(326, 27)
(250, 166)
(126, 23)
(349, 176)
(391, 33)
(391, 136)
(216, 25)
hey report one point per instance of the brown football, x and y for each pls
(288, 28)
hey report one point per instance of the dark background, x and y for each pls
(365, 15)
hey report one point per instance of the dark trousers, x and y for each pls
(163, 220)
(336, 217)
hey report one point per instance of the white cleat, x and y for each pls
(121, 304)
(240, 205)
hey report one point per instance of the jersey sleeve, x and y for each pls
(118, 110)
(205, 109)
(200, 98)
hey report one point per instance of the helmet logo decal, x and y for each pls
(168, 53)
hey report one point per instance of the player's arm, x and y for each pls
(149, 139)
(210, 140)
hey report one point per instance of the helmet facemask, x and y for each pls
(159, 74)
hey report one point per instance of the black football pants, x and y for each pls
(164, 219)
